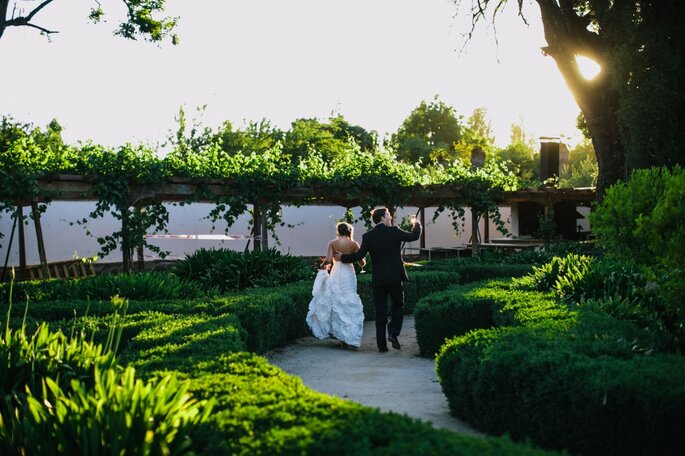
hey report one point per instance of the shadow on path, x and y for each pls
(399, 381)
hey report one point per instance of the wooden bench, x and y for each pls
(68, 269)
(506, 245)
(435, 253)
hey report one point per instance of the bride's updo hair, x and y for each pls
(345, 229)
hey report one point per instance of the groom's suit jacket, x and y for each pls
(384, 244)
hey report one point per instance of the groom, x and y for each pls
(384, 243)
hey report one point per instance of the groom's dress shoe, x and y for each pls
(395, 343)
(383, 349)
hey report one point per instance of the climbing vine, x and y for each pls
(113, 172)
(125, 181)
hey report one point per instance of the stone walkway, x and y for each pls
(399, 381)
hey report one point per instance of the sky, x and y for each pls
(372, 61)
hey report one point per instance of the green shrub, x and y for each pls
(512, 307)
(560, 274)
(154, 341)
(67, 395)
(135, 286)
(537, 255)
(474, 271)
(619, 288)
(446, 314)
(542, 373)
(643, 221)
(228, 270)
(539, 383)
(270, 317)
(620, 221)
(262, 410)
(183, 343)
(26, 359)
(118, 414)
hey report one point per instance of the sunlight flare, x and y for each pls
(588, 67)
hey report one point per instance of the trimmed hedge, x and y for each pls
(155, 341)
(259, 408)
(136, 286)
(474, 271)
(270, 317)
(563, 377)
(262, 410)
(538, 383)
(460, 309)
(184, 343)
(448, 313)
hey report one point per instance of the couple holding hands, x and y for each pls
(336, 309)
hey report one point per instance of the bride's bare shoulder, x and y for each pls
(344, 245)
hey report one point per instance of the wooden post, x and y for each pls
(474, 233)
(422, 217)
(265, 230)
(141, 258)
(22, 244)
(257, 227)
(486, 227)
(140, 250)
(9, 248)
(39, 239)
(125, 243)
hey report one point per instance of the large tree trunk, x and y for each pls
(601, 122)
(567, 37)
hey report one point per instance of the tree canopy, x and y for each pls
(429, 133)
(519, 156)
(476, 134)
(144, 18)
(330, 139)
(634, 107)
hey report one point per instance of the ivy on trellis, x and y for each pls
(368, 179)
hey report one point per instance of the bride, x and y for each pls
(336, 309)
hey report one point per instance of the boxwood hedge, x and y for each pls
(564, 377)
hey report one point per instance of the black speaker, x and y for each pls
(549, 160)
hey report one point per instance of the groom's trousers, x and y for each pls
(380, 301)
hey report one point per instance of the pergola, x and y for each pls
(80, 188)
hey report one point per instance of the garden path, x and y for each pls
(399, 381)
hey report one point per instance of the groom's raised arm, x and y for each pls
(414, 234)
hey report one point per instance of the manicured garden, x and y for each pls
(167, 365)
(567, 348)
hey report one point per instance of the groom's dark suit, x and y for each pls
(384, 244)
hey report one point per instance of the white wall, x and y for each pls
(315, 226)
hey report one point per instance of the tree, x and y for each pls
(141, 18)
(429, 133)
(184, 141)
(581, 169)
(12, 132)
(477, 133)
(329, 139)
(257, 137)
(637, 43)
(520, 154)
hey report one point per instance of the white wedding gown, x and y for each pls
(336, 309)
